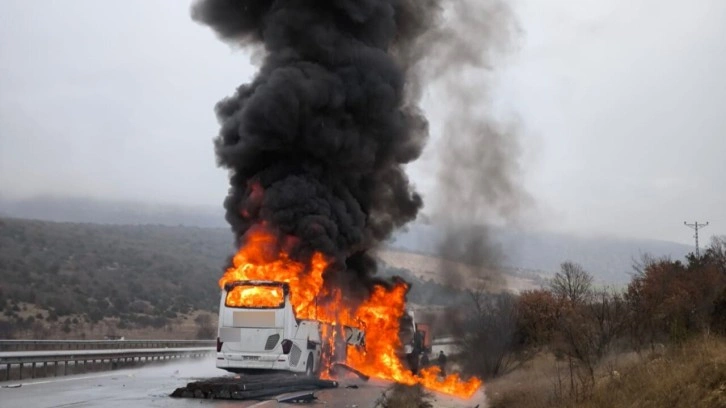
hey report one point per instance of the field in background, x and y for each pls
(688, 375)
(429, 267)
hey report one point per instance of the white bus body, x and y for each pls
(266, 338)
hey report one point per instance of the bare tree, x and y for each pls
(538, 312)
(584, 335)
(641, 265)
(717, 252)
(641, 309)
(205, 327)
(488, 334)
(571, 283)
(608, 314)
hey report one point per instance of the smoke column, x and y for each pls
(477, 155)
(316, 143)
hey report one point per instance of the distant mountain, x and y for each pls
(88, 210)
(608, 259)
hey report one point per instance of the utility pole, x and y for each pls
(695, 226)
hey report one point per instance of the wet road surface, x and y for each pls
(150, 386)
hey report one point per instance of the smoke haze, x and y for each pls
(316, 143)
(478, 170)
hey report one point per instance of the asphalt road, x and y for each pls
(150, 386)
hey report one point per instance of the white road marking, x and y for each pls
(90, 377)
(259, 404)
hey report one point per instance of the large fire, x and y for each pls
(255, 296)
(378, 316)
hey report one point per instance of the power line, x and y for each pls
(695, 226)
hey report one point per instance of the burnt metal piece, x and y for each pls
(336, 366)
(251, 387)
(299, 398)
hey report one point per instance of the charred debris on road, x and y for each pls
(260, 386)
(251, 387)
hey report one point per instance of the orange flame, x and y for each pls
(251, 263)
(255, 296)
(378, 316)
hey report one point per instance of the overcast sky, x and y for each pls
(621, 104)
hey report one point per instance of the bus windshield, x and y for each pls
(255, 297)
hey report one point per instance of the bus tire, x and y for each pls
(310, 366)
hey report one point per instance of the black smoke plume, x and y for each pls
(316, 143)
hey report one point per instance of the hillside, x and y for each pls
(609, 259)
(75, 276)
(88, 210)
(141, 275)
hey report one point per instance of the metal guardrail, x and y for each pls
(30, 345)
(15, 362)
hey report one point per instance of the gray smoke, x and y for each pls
(478, 178)
(316, 143)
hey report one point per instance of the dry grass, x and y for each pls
(691, 375)
(404, 396)
(532, 385)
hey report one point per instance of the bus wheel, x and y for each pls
(309, 368)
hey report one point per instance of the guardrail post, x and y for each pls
(32, 371)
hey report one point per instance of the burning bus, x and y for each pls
(258, 330)
(316, 147)
(276, 313)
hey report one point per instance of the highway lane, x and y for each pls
(150, 386)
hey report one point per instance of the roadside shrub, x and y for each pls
(404, 396)
(718, 314)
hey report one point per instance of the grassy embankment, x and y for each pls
(689, 375)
